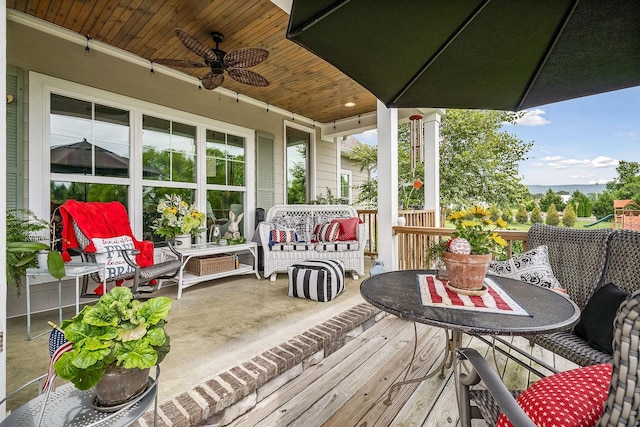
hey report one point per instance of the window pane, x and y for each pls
(225, 158)
(111, 141)
(61, 191)
(150, 198)
(168, 150)
(297, 166)
(344, 185)
(88, 139)
(216, 153)
(219, 203)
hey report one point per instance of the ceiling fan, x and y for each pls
(235, 63)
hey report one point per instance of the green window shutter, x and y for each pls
(265, 191)
(15, 155)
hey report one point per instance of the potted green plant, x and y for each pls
(117, 336)
(23, 244)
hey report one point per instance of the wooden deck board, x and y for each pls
(349, 388)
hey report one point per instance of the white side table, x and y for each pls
(72, 269)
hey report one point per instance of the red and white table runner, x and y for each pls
(433, 292)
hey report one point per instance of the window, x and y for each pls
(298, 166)
(345, 186)
(92, 145)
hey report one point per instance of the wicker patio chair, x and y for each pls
(623, 400)
(583, 261)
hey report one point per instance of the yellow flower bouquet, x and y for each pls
(477, 228)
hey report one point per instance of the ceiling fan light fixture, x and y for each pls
(234, 63)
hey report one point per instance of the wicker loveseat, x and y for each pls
(583, 261)
(303, 219)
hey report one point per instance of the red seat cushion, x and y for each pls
(572, 398)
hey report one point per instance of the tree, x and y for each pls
(297, 188)
(569, 217)
(552, 215)
(581, 204)
(521, 215)
(536, 215)
(478, 162)
(603, 205)
(551, 198)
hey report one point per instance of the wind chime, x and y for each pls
(416, 137)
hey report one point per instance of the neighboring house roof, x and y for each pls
(347, 145)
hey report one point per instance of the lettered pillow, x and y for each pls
(531, 267)
(348, 228)
(327, 232)
(572, 398)
(108, 252)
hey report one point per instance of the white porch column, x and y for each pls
(3, 203)
(432, 163)
(387, 185)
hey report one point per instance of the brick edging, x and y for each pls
(210, 399)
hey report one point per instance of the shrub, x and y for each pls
(552, 215)
(536, 215)
(521, 215)
(569, 217)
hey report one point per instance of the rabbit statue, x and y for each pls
(233, 231)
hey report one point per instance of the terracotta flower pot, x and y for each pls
(466, 271)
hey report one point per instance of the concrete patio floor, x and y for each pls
(215, 326)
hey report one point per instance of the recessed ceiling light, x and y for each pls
(350, 104)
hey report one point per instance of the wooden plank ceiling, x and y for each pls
(299, 81)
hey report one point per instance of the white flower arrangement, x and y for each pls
(177, 217)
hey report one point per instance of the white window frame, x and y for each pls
(40, 88)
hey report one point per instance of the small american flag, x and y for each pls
(58, 345)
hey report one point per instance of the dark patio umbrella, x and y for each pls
(500, 54)
(77, 158)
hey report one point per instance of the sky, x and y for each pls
(579, 141)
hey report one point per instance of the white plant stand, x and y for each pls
(186, 279)
(72, 269)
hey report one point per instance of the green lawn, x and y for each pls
(579, 224)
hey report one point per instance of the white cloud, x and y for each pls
(559, 162)
(533, 118)
(628, 135)
(600, 181)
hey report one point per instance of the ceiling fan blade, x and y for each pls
(195, 45)
(179, 63)
(212, 81)
(246, 57)
(247, 77)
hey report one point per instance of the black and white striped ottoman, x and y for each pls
(320, 280)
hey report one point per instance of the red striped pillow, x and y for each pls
(283, 236)
(327, 232)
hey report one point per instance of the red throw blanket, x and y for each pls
(101, 220)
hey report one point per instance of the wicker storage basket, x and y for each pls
(210, 264)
